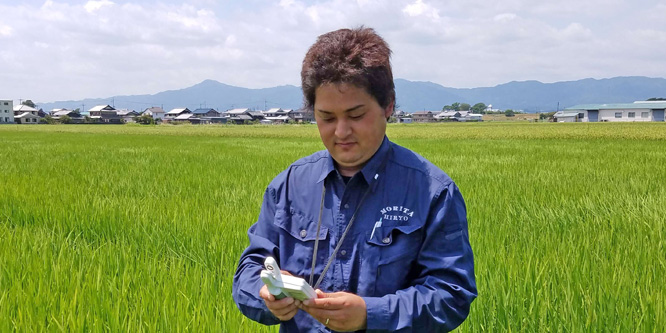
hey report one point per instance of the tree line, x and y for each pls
(477, 108)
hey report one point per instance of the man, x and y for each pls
(382, 230)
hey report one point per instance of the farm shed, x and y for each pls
(620, 112)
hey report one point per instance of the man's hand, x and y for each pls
(340, 311)
(284, 309)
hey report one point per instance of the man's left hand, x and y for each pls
(340, 311)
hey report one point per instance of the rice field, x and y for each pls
(139, 228)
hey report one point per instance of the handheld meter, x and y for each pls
(281, 286)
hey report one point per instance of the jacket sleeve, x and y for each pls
(247, 281)
(440, 296)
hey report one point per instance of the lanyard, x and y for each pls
(349, 225)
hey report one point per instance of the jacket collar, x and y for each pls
(368, 171)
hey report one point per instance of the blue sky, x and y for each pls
(60, 50)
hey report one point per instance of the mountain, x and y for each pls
(530, 96)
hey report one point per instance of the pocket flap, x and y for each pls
(383, 236)
(298, 226)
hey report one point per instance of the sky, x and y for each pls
(68, 50)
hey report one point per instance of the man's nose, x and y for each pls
(342, 128)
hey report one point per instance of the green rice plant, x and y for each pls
(139, 228)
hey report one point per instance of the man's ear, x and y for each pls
(389, 110)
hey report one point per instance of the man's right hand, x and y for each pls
(284, 309)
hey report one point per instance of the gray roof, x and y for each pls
(203, 110)
(64, 113)
(237, 111)
(184, 116)
(154, 109)
(179, 111)
(620, 106)
(126, 112)
(26, 115)
(23, 108)
(102, 107)
(563, 114)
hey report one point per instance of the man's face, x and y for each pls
(351, 124)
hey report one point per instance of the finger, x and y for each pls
(322, 315)
(280, 304)
(288, 315)
(283, 312)
(332, 303)
(263, 293)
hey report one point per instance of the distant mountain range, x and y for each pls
(529, 96)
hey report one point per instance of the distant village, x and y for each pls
(106, 114)
(27, 113)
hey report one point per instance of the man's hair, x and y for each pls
(354, 56)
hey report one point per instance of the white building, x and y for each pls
(156, 112)
(24, 114)
(176, 112)
(6, 111)
(627, 112)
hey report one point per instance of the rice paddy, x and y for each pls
(139, 228)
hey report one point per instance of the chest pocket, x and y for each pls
(297, 236)
(395, 249)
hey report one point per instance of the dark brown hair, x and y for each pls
(354, 56)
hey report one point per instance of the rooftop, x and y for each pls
(621, 106)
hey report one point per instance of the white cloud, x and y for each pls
(5, 31)
(419, 8)
(504, 17)
(93, 6)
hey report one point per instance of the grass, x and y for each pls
(138, 228)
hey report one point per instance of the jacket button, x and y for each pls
(346, 206)
(386, 240)
(303, 233)
(343, 252)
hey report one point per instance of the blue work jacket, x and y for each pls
(415, 269)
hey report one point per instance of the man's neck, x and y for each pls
(348, 171)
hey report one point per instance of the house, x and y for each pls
(176, 112)
(473, 117)
(450, 115)
(205, 112)
(104, 114)
(98, 110)
(241, 116)
(405, 120)
(424, 116)
(74, 116)
(156, 112)
(6, 111)
(237, 112)
(68, 113)
(617, 112)
(276, 120)
(53, 111)
(256, 115)
(184, 117)
(24, 114)
(27, 118)
(302, 115)
(567, 117)
(274, 112)
(127, 115)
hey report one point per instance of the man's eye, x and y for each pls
(357, 116)
(328, 120)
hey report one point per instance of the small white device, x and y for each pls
(281, 286)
